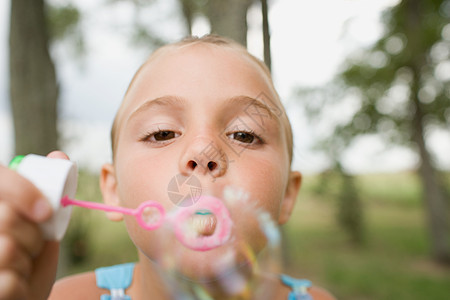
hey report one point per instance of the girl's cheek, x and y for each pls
(271, 188)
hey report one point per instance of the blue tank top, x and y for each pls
(118, 278)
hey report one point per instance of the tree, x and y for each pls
(189, 8)
(402, 97)
(226, 18)
(33, 86)
(229, 18)
(266, 33)
(33, 82)
(349, 212)
(318, 101)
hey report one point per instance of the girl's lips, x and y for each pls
(203, 226)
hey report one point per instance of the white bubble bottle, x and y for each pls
(55, 178)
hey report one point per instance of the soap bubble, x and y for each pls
(220, 248)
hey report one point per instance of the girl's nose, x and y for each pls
(203, 156)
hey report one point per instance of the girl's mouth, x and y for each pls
(203, 222)
(203, 226)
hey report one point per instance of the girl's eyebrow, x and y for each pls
(254, 107)
(163, 101)
(251, 106)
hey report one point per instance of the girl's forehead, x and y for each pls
(204, 60)
(198, 69)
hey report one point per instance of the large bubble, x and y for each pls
(219, 248)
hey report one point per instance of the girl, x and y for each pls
(201, 107)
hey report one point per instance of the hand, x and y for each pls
(27, 262)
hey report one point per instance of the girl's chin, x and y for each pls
(207, 266)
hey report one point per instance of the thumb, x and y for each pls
(57, 154)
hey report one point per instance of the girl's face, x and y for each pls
(207, 112)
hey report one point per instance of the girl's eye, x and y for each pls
(164, 135)
(160, 136)
(245, 137)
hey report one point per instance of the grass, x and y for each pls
(392, 263)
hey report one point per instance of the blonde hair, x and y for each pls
(210, 39)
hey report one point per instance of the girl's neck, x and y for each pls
(149, 283)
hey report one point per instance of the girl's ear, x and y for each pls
(108, 185)
(290, 197)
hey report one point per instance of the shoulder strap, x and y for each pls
(116, 279)
(299, 287)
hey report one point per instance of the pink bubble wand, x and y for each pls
(149, 215)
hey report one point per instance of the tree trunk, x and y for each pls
(350, 211)
(188, 10)
(229, 18)
(33, 86)
(266, 34)
(434, 194)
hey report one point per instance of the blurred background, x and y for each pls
(366, 84)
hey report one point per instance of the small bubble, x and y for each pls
(150, 215)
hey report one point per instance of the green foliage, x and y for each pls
(145, 37)
(62, 20)
(141, 33)
(386, 77)
(348, 207)
(64, 24)
(140, 3)
(349, 213)
(404, 56)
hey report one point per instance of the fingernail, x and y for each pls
(42, 210)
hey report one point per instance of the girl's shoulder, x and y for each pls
(318, 293)
(80, 286)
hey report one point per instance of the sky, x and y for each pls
(310, 39)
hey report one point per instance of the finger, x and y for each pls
(12, 285)
(23, 196)
(27, 234)
(13, 257)
(44, 270)
(58, 154)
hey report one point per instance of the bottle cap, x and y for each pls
(55, 178)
